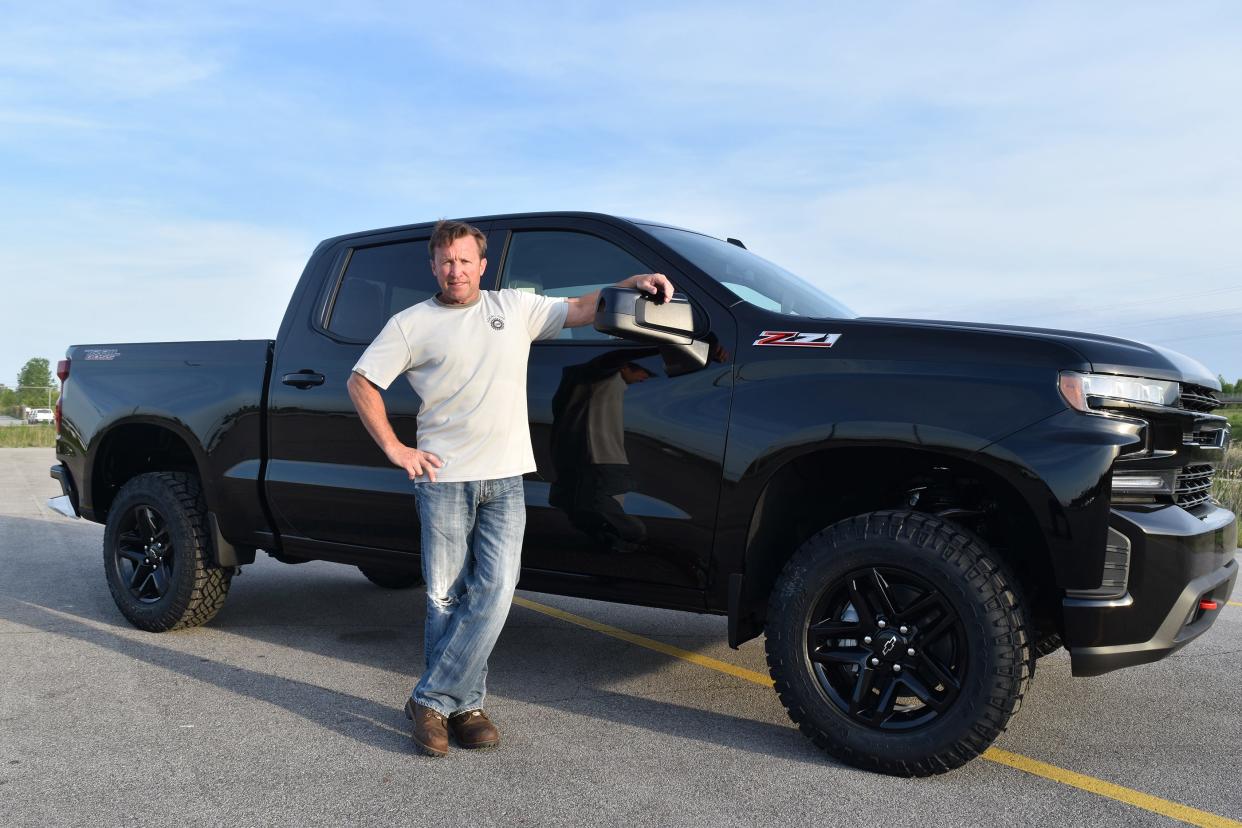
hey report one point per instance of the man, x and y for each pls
(464, 351)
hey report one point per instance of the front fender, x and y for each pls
(1062, 465)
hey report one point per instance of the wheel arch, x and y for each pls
(139, 445)
(134, 446)
(822, 486)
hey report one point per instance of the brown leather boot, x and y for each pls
(473, 729)
(430, 732)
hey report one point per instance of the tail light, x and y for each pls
(62, 373)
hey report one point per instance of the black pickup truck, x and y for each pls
(911, 511)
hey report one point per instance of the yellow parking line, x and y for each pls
(1164, 807)
(1235, 603)
(649, 643)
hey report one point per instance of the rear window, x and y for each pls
(380, 281)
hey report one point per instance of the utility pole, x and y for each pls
(48, 388)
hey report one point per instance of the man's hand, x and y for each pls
(656, 284)
(414, 462)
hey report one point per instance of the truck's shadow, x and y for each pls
(332, 611)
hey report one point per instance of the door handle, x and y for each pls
(303, 379)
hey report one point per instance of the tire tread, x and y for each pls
(999, 594)
(210, 585)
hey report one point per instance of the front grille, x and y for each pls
(1197, 398)
(1194, 485)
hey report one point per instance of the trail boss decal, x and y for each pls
(794, 339)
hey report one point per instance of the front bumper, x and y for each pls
(1177, 560)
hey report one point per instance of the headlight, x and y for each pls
(1077, 388)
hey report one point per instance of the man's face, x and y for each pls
(459, 269)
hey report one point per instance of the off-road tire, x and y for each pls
(195, 590)
(995, 654)
(391, 578)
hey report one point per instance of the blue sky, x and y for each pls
(166, 169)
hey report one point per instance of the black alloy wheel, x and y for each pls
(145, 556)
(888, 649)
(157, 554)
(898, 642)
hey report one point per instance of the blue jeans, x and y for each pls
(471, 552)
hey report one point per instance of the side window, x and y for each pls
(380, 281)
(563, 263)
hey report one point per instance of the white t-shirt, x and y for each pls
(467, 363)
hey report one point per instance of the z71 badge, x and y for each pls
(794, 339)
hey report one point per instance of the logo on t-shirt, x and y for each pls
(497, 323)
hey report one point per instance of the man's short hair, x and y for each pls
(446, 232)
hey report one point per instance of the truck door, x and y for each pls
(629, 448)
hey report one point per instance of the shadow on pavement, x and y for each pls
(314, 609)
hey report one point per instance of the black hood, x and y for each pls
(1106, 354)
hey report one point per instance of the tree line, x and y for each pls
(35, 387)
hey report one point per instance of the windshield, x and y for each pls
(753, 278)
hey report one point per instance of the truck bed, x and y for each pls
(210, 393)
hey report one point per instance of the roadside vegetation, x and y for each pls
(1227, 487)
(28, 436)
(36, 388)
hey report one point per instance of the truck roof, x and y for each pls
(606, 217)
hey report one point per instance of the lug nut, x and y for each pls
(881, 623)
(875, 662)
(866, 639)
(903, 629)
(910, 651)
(896, 668)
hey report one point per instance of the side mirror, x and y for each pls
(630, 314)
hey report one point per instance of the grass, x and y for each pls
(27, 436)
(1227, 486)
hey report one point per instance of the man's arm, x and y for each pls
(374, 416)
(582, 308)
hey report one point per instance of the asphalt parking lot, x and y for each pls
(286, 710)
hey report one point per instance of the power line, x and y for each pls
(1081, 309)
(1159, 299)
(1160, 320)
(1234, 332)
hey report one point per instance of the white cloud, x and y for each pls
(119, 52)
(1017, 163)
(121, 272)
